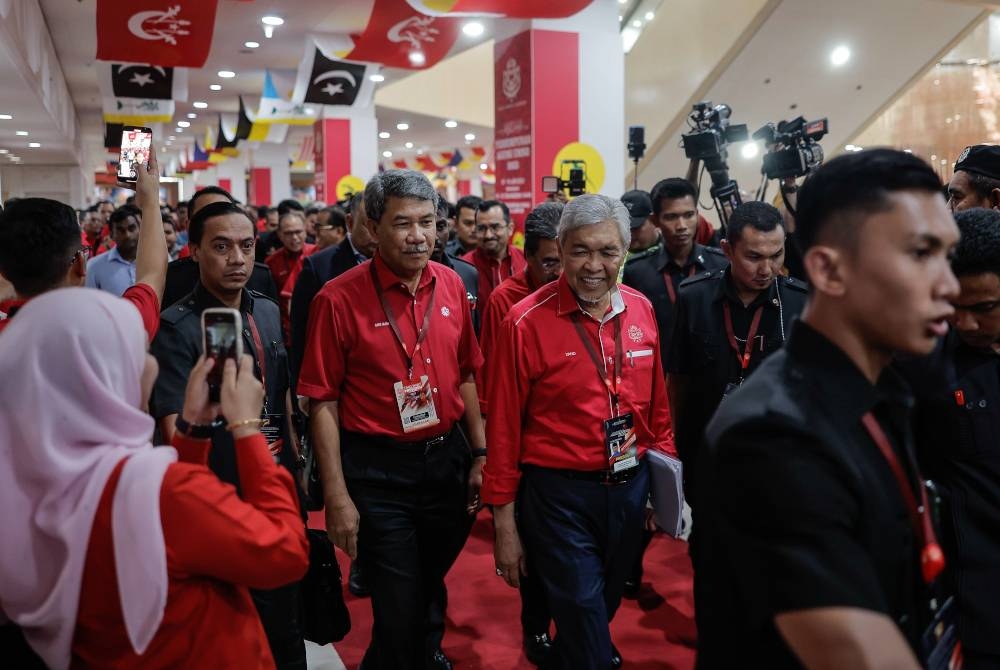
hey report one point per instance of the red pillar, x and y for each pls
(333, 156)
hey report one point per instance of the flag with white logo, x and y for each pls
(131, 80)
(174, 33)
(137, 112)
(275, 109)
(399, 36)
(329, 81)
(515, 9)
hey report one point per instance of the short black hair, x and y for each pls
(982, 185)
(487, 205)
(443, 208)
(355, 201)
(468, 202)
(841, 194)
(169, 222)
(671, 189)
(123, 213)
(289, 204)
(978, 249)
(542, 223)
(197, 226)
(338, 217)
(208, 190)
(312, 210)
(38, 239)
(760, 216)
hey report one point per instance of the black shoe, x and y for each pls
(356, 582)
(438, 661)
(616, 658)
(538, 648)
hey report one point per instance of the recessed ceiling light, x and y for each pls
(620, 18)
(5, 117)
(183, 124)
(483, 166)
(849, 147)
(750, 150)
(451, 124)
(417, 58)
(943, 161)
(384, 135)
(933, 157)
(408, 145)
(21, 133)
(377, 78)
(958, 116)
(907, 151)
(4, 151)
(937, 82)
(859, 148)
(200, 105)
(34, 145)
(948, 120)
(637, 24)
(192, 115)
(387, 154)
(473, 29)
(272, 20)
(251, 44)
(622, 2)
(227, 74)
(402, 126)
(649, 16)
(840, 55)
(469, 137)
(420, 152)
(172, 137)
(215, 87)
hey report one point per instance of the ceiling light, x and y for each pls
(840, 55)
(958, 116)
(469, 137)
(649, 16)
(907, 151)
(402, 126)
(5, 117)
(622, 2)
(417, 58)
(943, 160)
(420, 152)
(272, 20)
(21, 133)
(850, 147)
(933, 157)
(377, 78)
(859, 148)
(387, 153)
(408, 145)
(35, 145)
(620, 18)
(473, 29)
(200, 105)
(948, 120)
(629, 37)
(268, 32)
(227, 74)
(215, 87)
(451, 124)
(937, 82)
(251, 44)
(4, 151)
(637, 23)
(384, 135)
(183, 124)
(172, 137)
(192, 115)
(483, 166)
(750, 150)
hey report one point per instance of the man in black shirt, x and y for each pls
(715, 316)
(659, 276)
(806, 552)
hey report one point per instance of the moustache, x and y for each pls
(422, 249)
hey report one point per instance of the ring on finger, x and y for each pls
(499, 572)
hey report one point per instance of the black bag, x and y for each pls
(325, 616)
(311, 482)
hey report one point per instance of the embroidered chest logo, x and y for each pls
(635, 333)
(445, 311)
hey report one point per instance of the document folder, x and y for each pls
(667, 491)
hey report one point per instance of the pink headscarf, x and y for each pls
(71, 362)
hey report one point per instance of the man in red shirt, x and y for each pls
(92, 235)
(40, 250)
(389, 368)
(495, 258)
(286, 263)
(577, 399)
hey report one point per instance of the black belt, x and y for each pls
(392, 443)
(605, 477)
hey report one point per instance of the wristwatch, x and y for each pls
(479, 453)
(198, 431)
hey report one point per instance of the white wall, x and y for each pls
(64, 183)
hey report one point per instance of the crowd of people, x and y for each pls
(827, 372)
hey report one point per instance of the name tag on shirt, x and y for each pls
(415, 402)
(620, 443)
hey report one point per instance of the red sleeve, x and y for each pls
(492, 318)
(143, 296)
(190, 449)
(258, 542)
(660, 421)
(470, 356)
(324, 361)
(508, 397)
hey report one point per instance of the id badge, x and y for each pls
(416, 405)
(620, 443)
(270, 428)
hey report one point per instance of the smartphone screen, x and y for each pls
(135, 152)
(222, 341)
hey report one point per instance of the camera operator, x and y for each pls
(976, 182)
(646, 236)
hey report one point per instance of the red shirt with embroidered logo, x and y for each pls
(548, 404)
(352, 355)
(493, 272)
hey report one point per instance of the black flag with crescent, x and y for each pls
(334, 82)
(142, 81)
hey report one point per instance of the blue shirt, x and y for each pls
(110, 272)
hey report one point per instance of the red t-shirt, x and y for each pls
(352, 355)
(218, 547)
(141, 295)
(492, 272)
(285, 268)
(510, 292)
(547, 402)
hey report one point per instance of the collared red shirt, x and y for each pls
(493, 272)
(141, 295)
(284, 265)
(504, 297)
(353, 357)
(547, 402)
(110, 272)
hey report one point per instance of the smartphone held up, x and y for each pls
(221, 330)
(135, 147)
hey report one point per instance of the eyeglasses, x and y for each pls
(550, 264)
(494, 228)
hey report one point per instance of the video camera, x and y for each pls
(794, 149)
(711, 133)
(576, 184)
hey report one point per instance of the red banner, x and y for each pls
(170, 33)
(513, 131)
(520, 9)
(399, 36)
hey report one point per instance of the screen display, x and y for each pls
(221, 342)
(135, 151)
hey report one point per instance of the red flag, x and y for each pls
(399, 36)
(426, 164)
(171, 33)
(516, 9)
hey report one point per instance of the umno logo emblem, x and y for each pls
(159, 25)
(635, 333)
(511, 79)
(414, 30)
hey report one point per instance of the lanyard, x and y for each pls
(931, 556)
(744, 357)
(602, 368)
(261, 355)
(671, 291)
(391, 318)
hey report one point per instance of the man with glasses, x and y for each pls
(286, 263)
(495, 258)
(331, 227)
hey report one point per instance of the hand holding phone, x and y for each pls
(136, 144)
(222, 330)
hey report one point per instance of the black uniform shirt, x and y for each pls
(470, 278)
(798, 508)
(649, 274)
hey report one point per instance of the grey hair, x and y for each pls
(591, 209)
(399, 184)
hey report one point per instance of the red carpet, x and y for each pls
(655, 632)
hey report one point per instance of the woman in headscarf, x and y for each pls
(116, 554)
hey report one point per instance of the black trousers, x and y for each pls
(582, 538)
(279, 612)
(413, 526)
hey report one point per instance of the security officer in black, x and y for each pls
(222, 239)
(726, 322)
(658, 276)
(467, 271)
(958, 435)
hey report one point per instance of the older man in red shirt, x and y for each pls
(495, 258)
(576, 400)
(286, 262)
